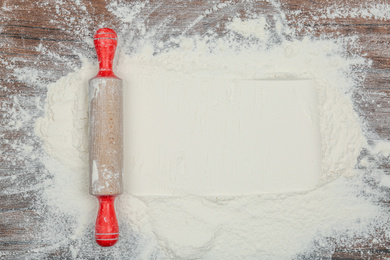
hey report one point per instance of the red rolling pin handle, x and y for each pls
(106, 229)
(105, 41)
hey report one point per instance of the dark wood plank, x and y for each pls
(27, 25)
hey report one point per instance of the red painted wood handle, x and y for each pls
(106, 229)
(105, 41)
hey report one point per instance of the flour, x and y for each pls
(253, 27)
(372, 10)
(219, 135)
(268, 226)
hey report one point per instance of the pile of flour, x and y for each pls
(267, 226)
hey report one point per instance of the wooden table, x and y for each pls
(31, 29)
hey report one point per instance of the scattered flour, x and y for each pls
(267, 226)
(253, 27)
(372, 10)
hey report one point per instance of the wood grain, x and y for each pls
(106, 136)
(42, 36)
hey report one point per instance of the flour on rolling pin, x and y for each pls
(105, 138)
(214, 136)
(105, 122)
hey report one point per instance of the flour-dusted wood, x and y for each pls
(105, 133)
(27, 24)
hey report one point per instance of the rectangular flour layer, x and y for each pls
(214, 136)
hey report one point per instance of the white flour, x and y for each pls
(268, 226)
(272, 226)
(192, 134)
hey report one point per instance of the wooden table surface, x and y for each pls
(29, 27)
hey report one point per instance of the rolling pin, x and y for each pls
(105, 138)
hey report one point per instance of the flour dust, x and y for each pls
(297, 225)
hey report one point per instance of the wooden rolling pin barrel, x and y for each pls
(105, 138)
